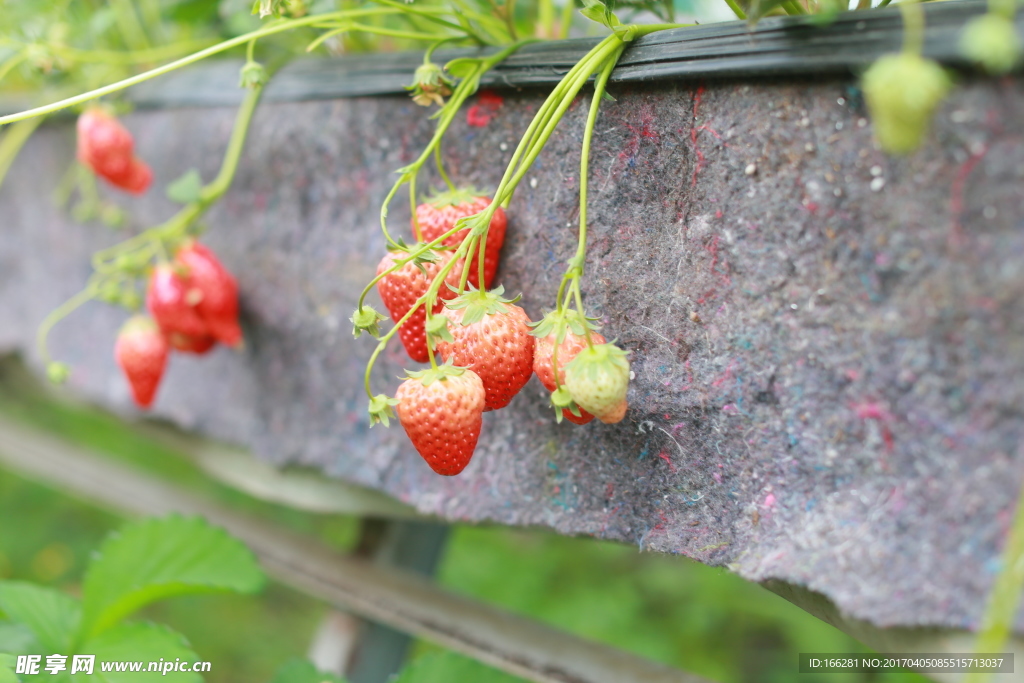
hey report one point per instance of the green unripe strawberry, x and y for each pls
(991, 40)
(598, 379)
(901, 91)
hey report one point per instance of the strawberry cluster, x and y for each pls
(193, 304)
(106, 146)
(485, 341)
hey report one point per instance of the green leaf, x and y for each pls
(7, 664)
(139, 642)
(297, 670)
(17, 638)
(160, 558)
(187, 188)
(51, 615)
(448, 667)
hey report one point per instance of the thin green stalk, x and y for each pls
(440, 168)
(736, 9)
(171, 66)
(58, 314)
(1003, 601)
(793, 8)
(546, 17)
(153, 54)
(13, 141)
(567, 15)
(913, 27)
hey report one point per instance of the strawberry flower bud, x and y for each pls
(365, 320)
(901, 91)
(252, 76)
(430, 85)
(991, 40)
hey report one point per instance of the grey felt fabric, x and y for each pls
(827, 341)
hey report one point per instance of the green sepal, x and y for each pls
(252, 76)
(462, 195)
(561, 398)
(596, 10)
(381, 409)
(589, 360)
(365, 320)
(428, 256)
(187, 188)
(437, 329)
(430, 85)
(561, 323)
(478, 303)
(431, 375)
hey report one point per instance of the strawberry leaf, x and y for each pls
(595, 10)
(139, 642)
(187, 188)
(297, 670)
(160, 558)
(51, 615)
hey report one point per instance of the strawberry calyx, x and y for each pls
(365, 319)
(478, 303)
(382, 409)
(137, 324)
(593, 360)
(561, 322)
(431, 375)
(461, 195)
(437, 330)
(417, 259)
(561, 400)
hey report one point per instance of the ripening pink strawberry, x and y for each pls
(141, 352)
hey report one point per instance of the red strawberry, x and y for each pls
(400, 290)
(171, 302)
(491, 337)
(571, 345)
(438, 215)
(216, 300)
(141, 351)
(441, 410)
(105, 146)
(186, 344)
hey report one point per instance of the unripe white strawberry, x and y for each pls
(991, 41)
(598, 379)
(901, 91)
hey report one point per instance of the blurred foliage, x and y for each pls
(666, 608)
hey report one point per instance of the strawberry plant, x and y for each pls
(438, 288)
(146, 561)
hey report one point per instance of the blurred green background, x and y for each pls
(667, 608)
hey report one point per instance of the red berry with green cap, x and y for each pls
(438, 215)
(171, 301)
(441, 410)
(491, 336)
(400, 289)
(213, 292)
(141, 352)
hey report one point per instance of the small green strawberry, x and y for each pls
(441, 410)
(598, 379)
(991, 40)
(901, 91)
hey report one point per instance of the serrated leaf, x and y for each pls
(138, 642)
(301, 671)
(160, 558)
(50, 615)
(7, 664)
(448, 667)
(17, 638)
(187, 188)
